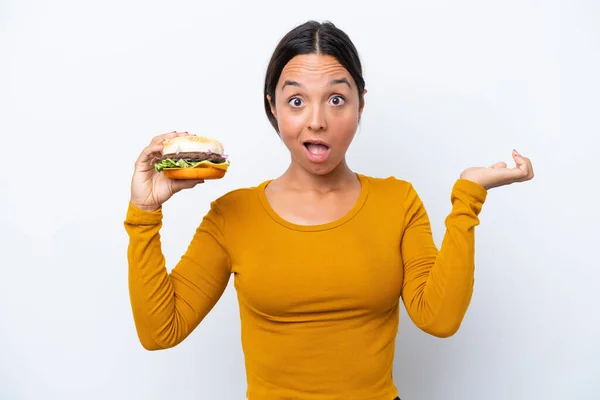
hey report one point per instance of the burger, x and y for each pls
(192, 157)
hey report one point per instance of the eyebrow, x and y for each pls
(331, 83)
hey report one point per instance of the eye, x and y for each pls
(295, 102)
(337, 100)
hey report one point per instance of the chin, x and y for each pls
(320, 169)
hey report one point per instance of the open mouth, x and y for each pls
(316, 148)
(316, 151)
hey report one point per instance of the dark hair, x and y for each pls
(309, 38)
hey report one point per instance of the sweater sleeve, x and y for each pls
(438, 284)
(167, 307)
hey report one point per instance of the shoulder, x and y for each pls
(390, 187)
(240, 200)
(393, 198)
(393, 193)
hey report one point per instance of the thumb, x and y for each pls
(499, 165)
(180, 184)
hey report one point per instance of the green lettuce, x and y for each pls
(168, 163)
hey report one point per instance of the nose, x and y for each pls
(317, 119)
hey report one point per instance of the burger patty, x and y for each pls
(193, 156)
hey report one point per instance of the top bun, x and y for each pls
(192, 143)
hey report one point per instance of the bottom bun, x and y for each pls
(194, 173)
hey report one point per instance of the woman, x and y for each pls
(321, 255)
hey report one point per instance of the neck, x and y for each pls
(298, 178)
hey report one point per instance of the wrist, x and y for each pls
(145, 208)
(473, 179)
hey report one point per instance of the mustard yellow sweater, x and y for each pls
(319, 305)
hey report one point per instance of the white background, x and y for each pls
(85, 85)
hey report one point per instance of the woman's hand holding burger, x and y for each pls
(150, 188)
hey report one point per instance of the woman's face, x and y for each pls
(317, 109)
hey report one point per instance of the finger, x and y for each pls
(520, 172)
(521, 160)
(156, 145)
(523, 164)
(508, 175)
(527, 166)
(149, 153)
(180, 184)
(161, 138)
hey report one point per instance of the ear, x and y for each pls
(362, 103)
(273, 110)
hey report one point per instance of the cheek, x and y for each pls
(291, 124)
(343, 125)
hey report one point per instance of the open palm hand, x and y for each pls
(499, 174)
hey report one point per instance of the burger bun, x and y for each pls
(194, 173)
(192, 143)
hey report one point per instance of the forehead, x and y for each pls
(315, 68)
